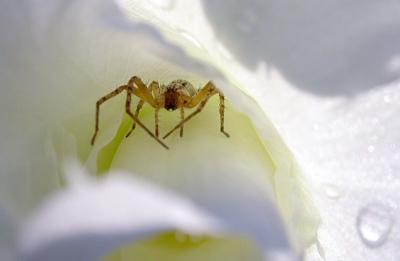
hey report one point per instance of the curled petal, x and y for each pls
(91, 218)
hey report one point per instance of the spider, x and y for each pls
(177, 94)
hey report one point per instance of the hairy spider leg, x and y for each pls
(182, 117)
(142, 91)
(210, 87)
(113, 94)
(128, 111)
(221, 114)
(202, 97)
(153, 87)
(138, 107)
(99, 102)
(198, 110)
(156, 121)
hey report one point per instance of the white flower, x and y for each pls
(60, 57)
(327, 73)
(222, 194)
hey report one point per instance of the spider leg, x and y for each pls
(204, 93)
(156, 121)
(202, 97)
(138, 108)
(182, 117)
(142, 91)
(145, 93)
(198, 110)
(99, 102)
(154, 87)
(128, 111)
(221, 114)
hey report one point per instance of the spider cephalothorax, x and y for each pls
(177, 94)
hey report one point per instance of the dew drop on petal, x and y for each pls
(332, 191)
(386, 99)
(374, 223)
(371, 148)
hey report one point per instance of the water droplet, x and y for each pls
(371, 148)
(387, 99)
(374, 223)
(332, 191)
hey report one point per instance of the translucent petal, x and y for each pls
(327, 74)
(78, 222)
(178, 24)
(84, 51)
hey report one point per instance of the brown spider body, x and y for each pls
(177, 94)
(171, 100)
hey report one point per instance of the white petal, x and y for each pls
(186, 25)
(80, 62)
(25, 154)
(348, 145)
(91, 218)
(57, 60)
